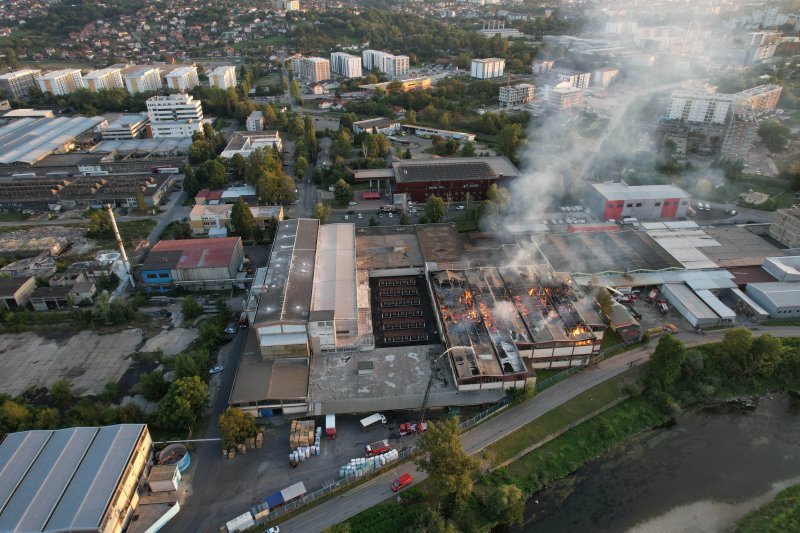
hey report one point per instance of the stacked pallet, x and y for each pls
(259, 439)
(301, 433)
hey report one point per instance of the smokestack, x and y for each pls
(125, 263)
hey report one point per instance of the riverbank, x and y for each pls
(779, 515)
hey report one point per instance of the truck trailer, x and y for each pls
(282, 497)
(372, 421)
(377, 448)
(330, 426)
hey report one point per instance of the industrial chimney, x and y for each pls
(125, 263)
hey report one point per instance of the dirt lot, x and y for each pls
(87, 360)
(171, 342)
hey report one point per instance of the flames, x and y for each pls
(578, 331)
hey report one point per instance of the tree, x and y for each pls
(237, 165)
(468, 150)
(449, 467)
(665, 363)
(342, 193)
(190, 308)
(435, 209)
(61, 393)
(508, 140)
(141, 205)
(404, 221)
(322, 212)
(300, 166)
(372, 221)
(407, 154)
(47, 418)
(745, 357)
(294, 89)
(13, 416)
(242, 219)
(775, 134)
(508, 504)
(99, 226)
(152, 385)
(184, 401)
(235, 426)
(604, 300)
(213, 174)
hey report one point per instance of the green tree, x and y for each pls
(508, 140)
(322, 212)
(300, 166)
(665, 363)
(775, 134)
(342, 193)
(184, 401)
(13, 416)
(435, 209)
(604, 300)
(61, 393)
(407, 154)
(190, 308)
(372, 221)
(99, 226)
(237, 165)
(449, 467)
(47, 418)
(189, 364)
(141, 205)
(214, 174)
(404, 221)
(235, 426)
(507, 503)
(294, 89)
(468, 150)
(242, 219)
(152, 385)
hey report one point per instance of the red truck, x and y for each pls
(403, 481)
(408, 428)
(377, 448)
(652, 296)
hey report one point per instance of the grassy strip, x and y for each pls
(560, 417)
(781, 514)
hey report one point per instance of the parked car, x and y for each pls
(403, 481)
(352, 203)
(216, 370)
(231, 330)
(460, 208)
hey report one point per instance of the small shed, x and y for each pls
(164, 478)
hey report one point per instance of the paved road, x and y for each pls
(377, 490)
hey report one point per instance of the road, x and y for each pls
(377, 490)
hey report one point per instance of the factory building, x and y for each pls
(376, 125)
(618, 201)
(125, 127)
(204, 264)
(29, 140)
(780, 299)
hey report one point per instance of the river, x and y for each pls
(701, 474)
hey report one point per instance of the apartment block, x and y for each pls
(512, 95)
(222, 77)
(564, 97)
(17, 85)
(541, 66)
(395, 67)
(763, 99)
(60, 82)
(484, 69)
(182, 79)
(104, 79)
(346, 65)
(603, 77)
(702, 107)
(574, 77)
(174, 116)
(785, 227)
(314, 69)
(255, 121)
(142, 79)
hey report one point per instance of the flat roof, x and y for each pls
(8, 286)
(200, 253)
(335, 285)
(289, 380)
(28, 140)
(250, 140)
(711, 300)
(440, 243)
(780, 293)
(162, 145)
(376, 122)
(623, 191)
(690, 300)
(290, 274)
(454, 168)
(62, 480)
(385, 247)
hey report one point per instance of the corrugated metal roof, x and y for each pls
(289, 493)
(29, 140)
(335, 271)
(780, 293)
(622, 191)
(201, 253)
(690, 300)
(715, 304)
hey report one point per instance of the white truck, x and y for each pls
(372, 421)
(330, 426)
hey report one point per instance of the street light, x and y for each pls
(430, 379)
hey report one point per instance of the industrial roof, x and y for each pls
(62, 480)
(454, 168)
(623, 191)
(161, 145)
(715, 304)
(28, 140)
(375, 123)
(690, 300)
(440, 243)
(384, 247)
(780, 294)
(335, 271)
(9, 286)
(200, 253)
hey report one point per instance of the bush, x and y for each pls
(190, 308)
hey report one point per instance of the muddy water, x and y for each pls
(702, 474)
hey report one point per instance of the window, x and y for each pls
(151, 276)
(630, 205)
(659, 203)
(639, 204)
(163, 275)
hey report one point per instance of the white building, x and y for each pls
(104, 79)
(182, 79)
(346, 65)
(125, 127)
(60, 82)
(703, 107)
(564, 96)
(395, 67)
(245, 142)
(16, 85)
(314, 69)
(175, 116)
(511, 95)
(574, 77)
(255, 121)
(484, 69)
(222, 77)
(142, 80)
(288, 5)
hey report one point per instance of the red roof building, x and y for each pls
(198, 264)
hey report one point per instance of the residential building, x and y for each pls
(575, 78)
(741, 130)
(377, 125)
(314, 69)
(513, 95)
(60, 82)
(785, 227)
(182, 79)
(699, 106)
(205, 218)
(395, 67)
(346, 65)
(255, 121)
(288, 5)
(202, 264)
(125, 127)
(763, 99)
(141, 79)
(104, 79)
(16, 85)
(760, 46)
(75, 479)
(15, 292)
(617, 201)
(564, 96)
(484, 69)
(244, 142)
(603, 77)
(176, 116)
(541, 66)
(222, 77)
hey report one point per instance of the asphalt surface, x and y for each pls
(378, 489)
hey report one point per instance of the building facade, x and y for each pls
(204, 218)
(203, 264)
(785, 227)
(314, 69)
(245, 142)
(18, 84)
(176, 115)
(104, 79)
(395, 67)
(763, 99)
(574, 77)
(222, 77)
(603, 77)
(255, 121)
(346, 65)
(512, 95)
(125, 127)
(60, 82)
(617, 201)
(484, 69)
(565, 97)
(182, 79)
(142, 80)
(452, 178)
